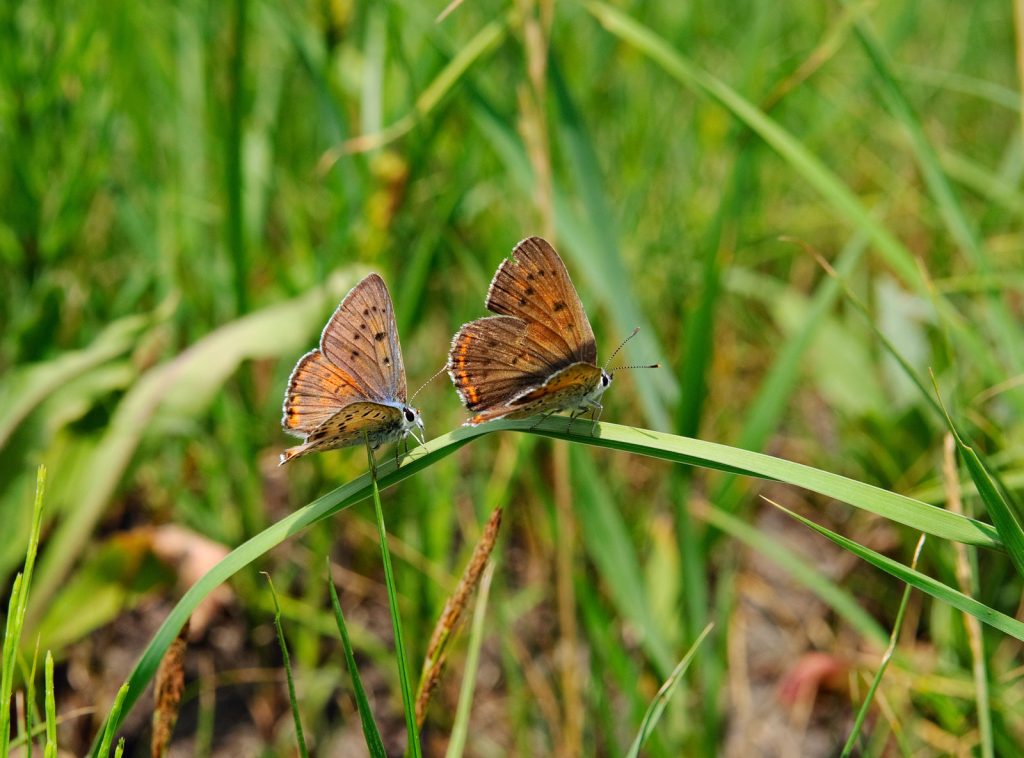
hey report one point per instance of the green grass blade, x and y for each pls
(1004, 516)
(24, 388)
(16, 610)
(51, 709)
(300, 738)
(460, 728)
(370, 732)
(396, 616)
(599, 260)
(838, 599)
(862, 712)
(933, 587)
(605, 537)
(920, 516)
(113, 720)
(657, 706)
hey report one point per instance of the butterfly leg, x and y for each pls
(595, 417)
(542, 417)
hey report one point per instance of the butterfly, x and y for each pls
(538, 356)
(352, 387)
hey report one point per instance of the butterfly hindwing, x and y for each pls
(561, 391)
(491, 360)
(317, 389)
(356, 422)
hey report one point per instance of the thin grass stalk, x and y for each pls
(50, 751)
(886, 657)
(119, 750)
(30, 700)
(112, 721)
(460, 728)
(371, 735)
(660, 701)
(300, 738)
(396, 620)
(966, 576)
(233, 176)
(16, 614)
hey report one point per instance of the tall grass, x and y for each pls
(192, 187)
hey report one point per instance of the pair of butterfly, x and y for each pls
(538, 356)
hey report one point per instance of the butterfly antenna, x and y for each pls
(440, 371)
(621, 345)
(636, 365)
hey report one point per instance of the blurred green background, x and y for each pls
(189, 188)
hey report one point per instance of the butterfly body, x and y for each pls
(351, 389)
(538, 355)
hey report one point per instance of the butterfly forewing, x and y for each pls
(534, 286)
(362, 339)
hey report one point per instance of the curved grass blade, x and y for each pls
(1004, 516)
(933, 587)
(23, 389)
(300, 738)
(657, 706)
(16, 609)
(370, 732)
(894, 636)
(396, 617)
(476, 638)
(905, 510)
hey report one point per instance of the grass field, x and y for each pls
(814, 213)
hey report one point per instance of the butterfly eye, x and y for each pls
(409, 415)
(605, 379)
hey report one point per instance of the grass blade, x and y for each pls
(396, 616)
(657, 706)
(50, 751)
(476, 637)
(370, 732)
(16, 609)
(933, 587)
(300, 738)
(862, 712)
(605, 539)
(1003, 514)
(113, 720)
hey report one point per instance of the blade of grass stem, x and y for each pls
(396, 619)
(300, 738)
(50, 750)
(1003, 515)
(371, 734)
(113, 721)
(657, 706)
(862, 712)
(16, 610)
(933, 587)
(460, 728)
(967, 578)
